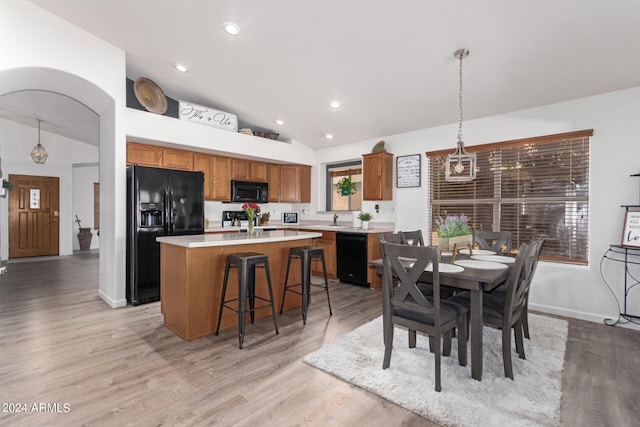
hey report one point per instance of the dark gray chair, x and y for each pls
(497, 241)
(507, 313)
(415, 237)
(501, 291)
(390, 238)
(407, 306)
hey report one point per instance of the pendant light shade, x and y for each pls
(39, 154)
(460, 165)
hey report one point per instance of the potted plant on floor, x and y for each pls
(365, 217)
(454, 231)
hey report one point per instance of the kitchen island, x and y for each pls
(192, 272)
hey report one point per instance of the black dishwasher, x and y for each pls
(351, 254)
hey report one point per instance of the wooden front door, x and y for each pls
(34, 216)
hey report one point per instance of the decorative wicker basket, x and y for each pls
(268, 135)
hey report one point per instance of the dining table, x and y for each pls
(477, 281)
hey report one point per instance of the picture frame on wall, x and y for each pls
(631, 230)
(408, 171)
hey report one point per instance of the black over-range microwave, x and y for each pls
(249, 192)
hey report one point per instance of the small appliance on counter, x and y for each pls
(239, 220)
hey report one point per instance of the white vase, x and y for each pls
(365, 225)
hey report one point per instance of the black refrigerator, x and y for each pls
(160, 202)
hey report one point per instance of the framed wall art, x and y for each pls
(631, 231)
(408, 171)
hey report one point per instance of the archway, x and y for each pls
(112, 166)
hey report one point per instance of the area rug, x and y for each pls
(532, 399)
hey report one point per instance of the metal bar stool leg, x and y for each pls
(326, 283)
(286, 281)
(273, 304)
(251, 290)
(223, 296)
(242, 301)
(305, 265)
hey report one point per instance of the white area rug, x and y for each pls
(533, 399)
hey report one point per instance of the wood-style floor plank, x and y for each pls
(61, 344)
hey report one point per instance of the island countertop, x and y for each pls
(228, 239)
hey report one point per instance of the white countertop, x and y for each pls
(235, 238)
(343, 228)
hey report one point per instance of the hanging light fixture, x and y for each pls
(460, 165)
(39, 154)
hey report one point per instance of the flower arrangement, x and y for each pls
(251, 209)
(453, 226)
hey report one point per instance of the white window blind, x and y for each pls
(531, 187)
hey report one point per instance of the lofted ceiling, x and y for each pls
(390, 63)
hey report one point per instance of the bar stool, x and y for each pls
(306, 254)
(246, 263)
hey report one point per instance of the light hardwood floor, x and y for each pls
(60, 344)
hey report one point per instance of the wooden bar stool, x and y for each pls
(306, 254)
(246, 263)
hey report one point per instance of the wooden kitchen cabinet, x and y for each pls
(221, 179)
(142, 154)
(273, 179)
(328, 243)
(204, 163)
(377, 176)
(177, 159)
(248, 170)
(295, 184)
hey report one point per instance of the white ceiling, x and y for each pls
(389, 62)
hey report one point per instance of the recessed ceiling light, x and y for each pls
(329, 136)
(280, 122)
(231, 28)
(181, 68)
(335, 104)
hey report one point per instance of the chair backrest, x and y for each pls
(516, 285)
(497, 241)
(406, 275)
(390, 238)
(412, 238)
(537, 246)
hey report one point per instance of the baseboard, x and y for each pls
(112, 303)
(580, 315)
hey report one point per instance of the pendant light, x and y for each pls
(39, 154)
(460, 165)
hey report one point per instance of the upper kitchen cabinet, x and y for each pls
(221, 184)
(142, 154)
(247, 170)
(204, 163)
(377, 176)
(295, 184)
(177, 159)
(151, 155)
(273, 179)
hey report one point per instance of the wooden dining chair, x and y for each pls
(407, 306)
(412, 237)
(507, 313)
(497, 241)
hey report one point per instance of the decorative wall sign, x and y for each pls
(631, 232)
(408, 171)
(207, 116)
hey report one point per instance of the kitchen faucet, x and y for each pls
(335, 219)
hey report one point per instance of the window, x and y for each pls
(337, 202)
(531, 187)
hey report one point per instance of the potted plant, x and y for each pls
(7, 185)
(454, 231)
(365, 217)
(346, 186)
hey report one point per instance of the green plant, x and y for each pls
(6, 184)
(453, 226)
(365, 216)
(346, 186)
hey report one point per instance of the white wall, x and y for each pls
(84, 176)
(575, 291)
(15, 151)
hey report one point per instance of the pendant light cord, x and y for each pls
(460, 101)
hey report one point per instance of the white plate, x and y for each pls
(495, 258)
(477, 252)
(444, 268)
(481, 265)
